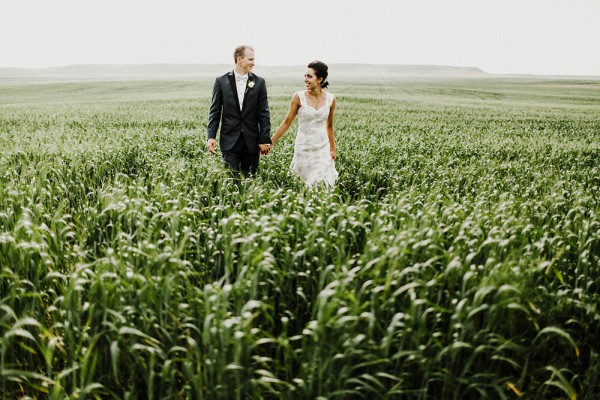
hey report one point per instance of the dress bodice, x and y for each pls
(310, 118)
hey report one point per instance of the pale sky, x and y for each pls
(550, 37)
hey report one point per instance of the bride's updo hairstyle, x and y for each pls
(320, 69)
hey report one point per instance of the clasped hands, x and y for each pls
(264, 149)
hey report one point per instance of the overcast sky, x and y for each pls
(499, 36)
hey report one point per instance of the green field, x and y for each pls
(458, 257)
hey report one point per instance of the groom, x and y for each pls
(240, 105)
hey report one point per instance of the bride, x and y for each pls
(314, 151)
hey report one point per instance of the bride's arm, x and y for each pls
(287, 122)
(330, 133)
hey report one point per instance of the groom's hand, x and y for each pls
(211, 145)
(264, 149)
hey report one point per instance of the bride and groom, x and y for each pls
(239, 105)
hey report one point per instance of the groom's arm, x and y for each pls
(216, 109)
(264, 116)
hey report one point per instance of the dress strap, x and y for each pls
(302, 97)
(329, 99)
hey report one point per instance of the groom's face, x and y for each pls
(246, 63)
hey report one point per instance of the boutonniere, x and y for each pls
(250, 84)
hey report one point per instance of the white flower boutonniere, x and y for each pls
(249, 85)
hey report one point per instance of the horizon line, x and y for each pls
(366, 64)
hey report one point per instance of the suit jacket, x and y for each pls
(253, 120)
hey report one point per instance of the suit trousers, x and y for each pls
(239, 158)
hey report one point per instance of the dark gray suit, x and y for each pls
(241, 131)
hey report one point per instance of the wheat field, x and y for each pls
(457, 258)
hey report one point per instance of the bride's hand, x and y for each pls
(333, 155)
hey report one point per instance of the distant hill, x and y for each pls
(407, 70)
(210, 71)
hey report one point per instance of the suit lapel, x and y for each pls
(231, 77)
(251, 78)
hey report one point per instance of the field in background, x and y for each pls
(458, 257)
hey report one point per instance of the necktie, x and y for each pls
(243, 78)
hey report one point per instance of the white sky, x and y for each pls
(498, 36)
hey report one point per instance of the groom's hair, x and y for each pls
(240, 51)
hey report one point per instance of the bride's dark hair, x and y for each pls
(320, 69)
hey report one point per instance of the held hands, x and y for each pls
(264, 149)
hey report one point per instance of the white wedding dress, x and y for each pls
(312, 161)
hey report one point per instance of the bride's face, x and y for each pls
(310, 79)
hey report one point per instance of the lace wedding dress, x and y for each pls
(312, 161)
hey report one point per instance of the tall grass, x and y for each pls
(458, 257)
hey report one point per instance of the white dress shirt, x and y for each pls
(241, 87)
